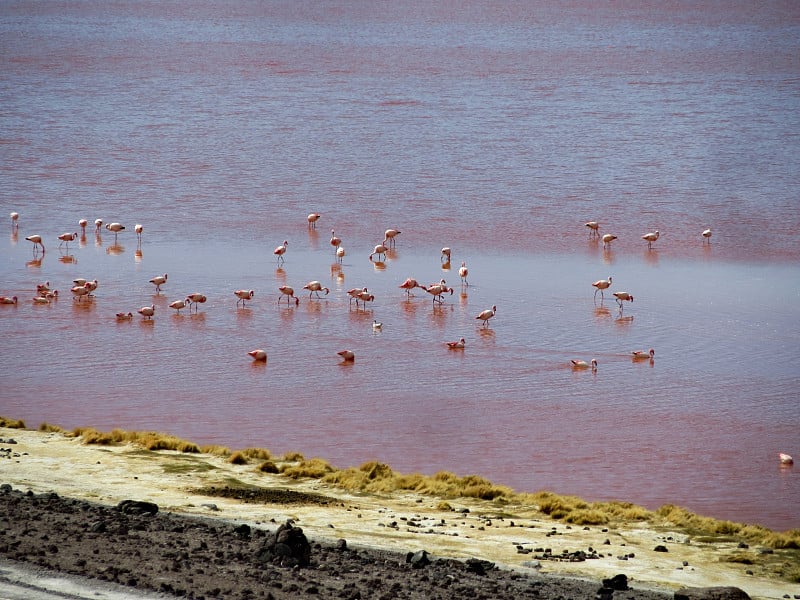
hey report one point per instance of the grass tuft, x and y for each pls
(48, 428)
(314, 468)
(12, 423)
(268, 467)
(238, 458)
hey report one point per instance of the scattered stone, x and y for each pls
(660, 548)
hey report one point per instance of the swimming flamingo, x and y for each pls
(340, 253)
(445, 254)
(121, 316)
(312, 220)
(258, 355)
(37, 241)
(463, 272)
(594, 228)
(706, 235)
(409, 284)
(280, 251)
(335, 241)
(67, 237)
(138, 229)
(41, 300)
(243, 295)
(650, 238)
(607, 239)
(79, 291)
(14, 220)
(8, 299)
(582, 364)
(347, 355)
(486, 315)
(389, 235)
(785, 459)
(158, 281)
(315, 287)
(44, 287)
(288, 292)
(600, 285)
(641, 354)
(379, 249)
(179, 304)
(459, 345)
(195, 299)
(147, 311)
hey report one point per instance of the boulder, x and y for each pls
(137, 507)
(617, 582)
(711, 593)
(287, 547)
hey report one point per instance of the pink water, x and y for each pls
(497, 129)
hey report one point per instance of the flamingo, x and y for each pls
(138, 228)
(258, 355)
(445, 255)
(67, 237)
(650, 238)
(641, 354)
(158, 281)
(364, 297)
(463, 272)
(607, 239)
(437, 290)
(389, 236)
(98, 223)
(147, 311)
(121, 316)
(600, 285)
(8, 299)
(179, 304)
(79, 281)
(43, 287)
(52, 294)
(243, 295)
(289, 293)
(340, 253)
(486, 315)
(354, 293)
(41, 300)
(347, 355)
(376, 326)
(785, 459)
(594, 228)
(37, 241)
(409, 284)
(312, 220)
(92, 285)
(706, 235)
(335, 241)
(623, 297)
(280, 251)
(195, 299)
(315, 287)
(83, 223)
(582, 364)
(379, 249)
(14, 220)
(115, 228)
(459, 345)
(79, 291)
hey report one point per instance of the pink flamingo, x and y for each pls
(446, 254)
(147, 311)
(280, 251)
(37, 241)
(642, 355)
(258, 355)
(437, 290)
(158, 281)
(312, 220)
(8, 299)
(486, 315)
(315, 287)
(607, 239)
(195, 299)
(409, 284)
(121, 316)
(785, 459)
(459, 345)
(115, 228)
(594, 228)
(623, 297)
(67, 237)
(600, 285)
(389, 236)
(288, 292)
(243, 295)
(706, 235)
(347, 355)
(380, 249)
(335, 241)
(463, 272)
(650, 238)
(582, 364)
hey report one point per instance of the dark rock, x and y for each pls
(242, 530)
(660, 548)
(418, 560)
(98, 527)
(711, 593)
(617, 582)
(137, 507)
(341, 544)
(480, 567)
(288, 547)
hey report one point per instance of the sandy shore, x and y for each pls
(43, 462)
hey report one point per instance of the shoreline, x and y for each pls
(507, 535)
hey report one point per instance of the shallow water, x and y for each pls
(495, 131)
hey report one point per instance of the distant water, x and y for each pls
(496, 129)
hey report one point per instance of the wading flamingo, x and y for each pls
(347, 355)
(312, 219)
(138, 228)
(409, 284)
(79, 291)
(37, 241)
(437, 290)
(243, 295)
(83, 223)
(650, 238)
(389, 235)
(607, 239)
(641, 354)
(179, 304)
(67, 237)
(486, 315)
(115, 228)
(354, 293)
(706, 235)
(158, 281)
(600, 285)
(315, 287)
(98, 223)
(785, 459)
(280, 251)
(623, 297)
(340, 252)
(463, 272)
(258, 355)
(14, 220)
(446, 254)
(195, 299)
(288, 293)
(459, 345)
(147, 311)
(364, 297)
(582, 364)
(380, 249)
(335, 241)
(594, 228)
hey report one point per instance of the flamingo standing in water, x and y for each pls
(67, 237)
(115, 228)
(459, 345)
(607, 239)
(243, 295)
(594, 228)
(380, 249)
(258, 355)
(37, 241)
(147, 311)
(288, 292)
(486, 315)
(623, 297)
(650, 238)
(347, 355)
(280, 251)
(463, 272)
(354, 293)
(409, 284)
(785, 459)
(315, 287)
(437, 290)
(179, 304)
(79, 291)
(14, 220)
(446, 254)
(138, 229)
(195, 299)
(364, 297)
(706, 235)
(642, 355)
(312, 220)
(98, 223)
(389, 235)
(158, 281)
(335, 241)
(582, 364)
(83, 223)
(600, 285)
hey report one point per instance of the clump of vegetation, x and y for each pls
(293, 457)
(268, 467)
(12, 423)
(257, 453)
(238, 458)
(314, 468)
(48, 428)
(743, 558)
(215, 450)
